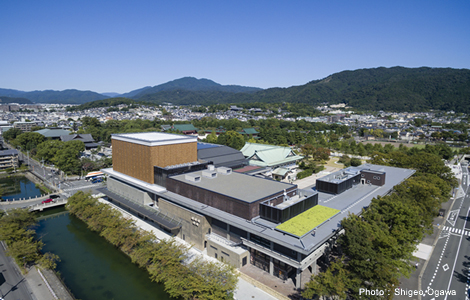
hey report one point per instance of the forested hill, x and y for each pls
(189, 84)
(389, 89)
(49, 96)
(65, 96)
(6, 100)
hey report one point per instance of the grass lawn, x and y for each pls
(308, 220)
(332, 162)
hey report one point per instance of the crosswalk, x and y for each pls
(456, 230)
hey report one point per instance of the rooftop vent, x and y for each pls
(193, 177)
(210, 167)
(224, 170)
(209, 173)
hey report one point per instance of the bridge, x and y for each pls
(42, 206)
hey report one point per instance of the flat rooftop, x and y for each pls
(340, 176)
(308, 220)
(243, 187)
(153, 138)
(351, 201)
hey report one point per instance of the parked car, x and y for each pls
(96, 180)
(47, 201)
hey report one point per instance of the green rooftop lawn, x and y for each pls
(306, 221)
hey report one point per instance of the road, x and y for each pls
(12, 283)
(448, 272)
(52, 179)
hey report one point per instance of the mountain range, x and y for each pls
(390, 89)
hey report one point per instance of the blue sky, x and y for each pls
(119, 46)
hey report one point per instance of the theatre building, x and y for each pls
(234, 217)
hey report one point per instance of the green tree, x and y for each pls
(212, 138)
(332, 284)
(29, 140)
(49, 260)
(11, 134)
(66, 159)
(232, 139)
(47, 150)
(355, 162)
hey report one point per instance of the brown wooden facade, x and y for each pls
(225, 203)
(373, 177)
(138, 160)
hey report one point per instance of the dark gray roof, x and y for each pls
(351, 201)
(221, 156)
(91, 145)
(8, 152)
(84, 137)
(243, 187)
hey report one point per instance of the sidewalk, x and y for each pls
(427, 247)
(44, 284)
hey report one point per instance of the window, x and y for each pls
(244, 260)
(215, 255)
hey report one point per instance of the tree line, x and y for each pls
(64, 155)
(17, 231)
(165, 260)
(376, 248)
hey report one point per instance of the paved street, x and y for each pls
(12, 283)
(447, 273)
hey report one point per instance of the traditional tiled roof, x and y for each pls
(53, 132)
(85, 137)
(249, 131)
(269, 155)
(184, 127)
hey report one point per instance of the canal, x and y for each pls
(91, 267)
(18, 187)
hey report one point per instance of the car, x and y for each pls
(54, 196)
(47, 201)
(96, 180)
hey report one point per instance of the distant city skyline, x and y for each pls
(120, 46)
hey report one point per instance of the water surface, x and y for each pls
(91, 267)
(17, 187)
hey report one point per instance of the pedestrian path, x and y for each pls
(80, 187)
(456, 230)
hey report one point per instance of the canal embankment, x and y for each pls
(247, 287)
(44, 284)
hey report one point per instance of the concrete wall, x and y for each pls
(129, 192)
(194, 226)
(226, 255)
(138, 160)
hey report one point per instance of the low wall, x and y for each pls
(263, 287)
